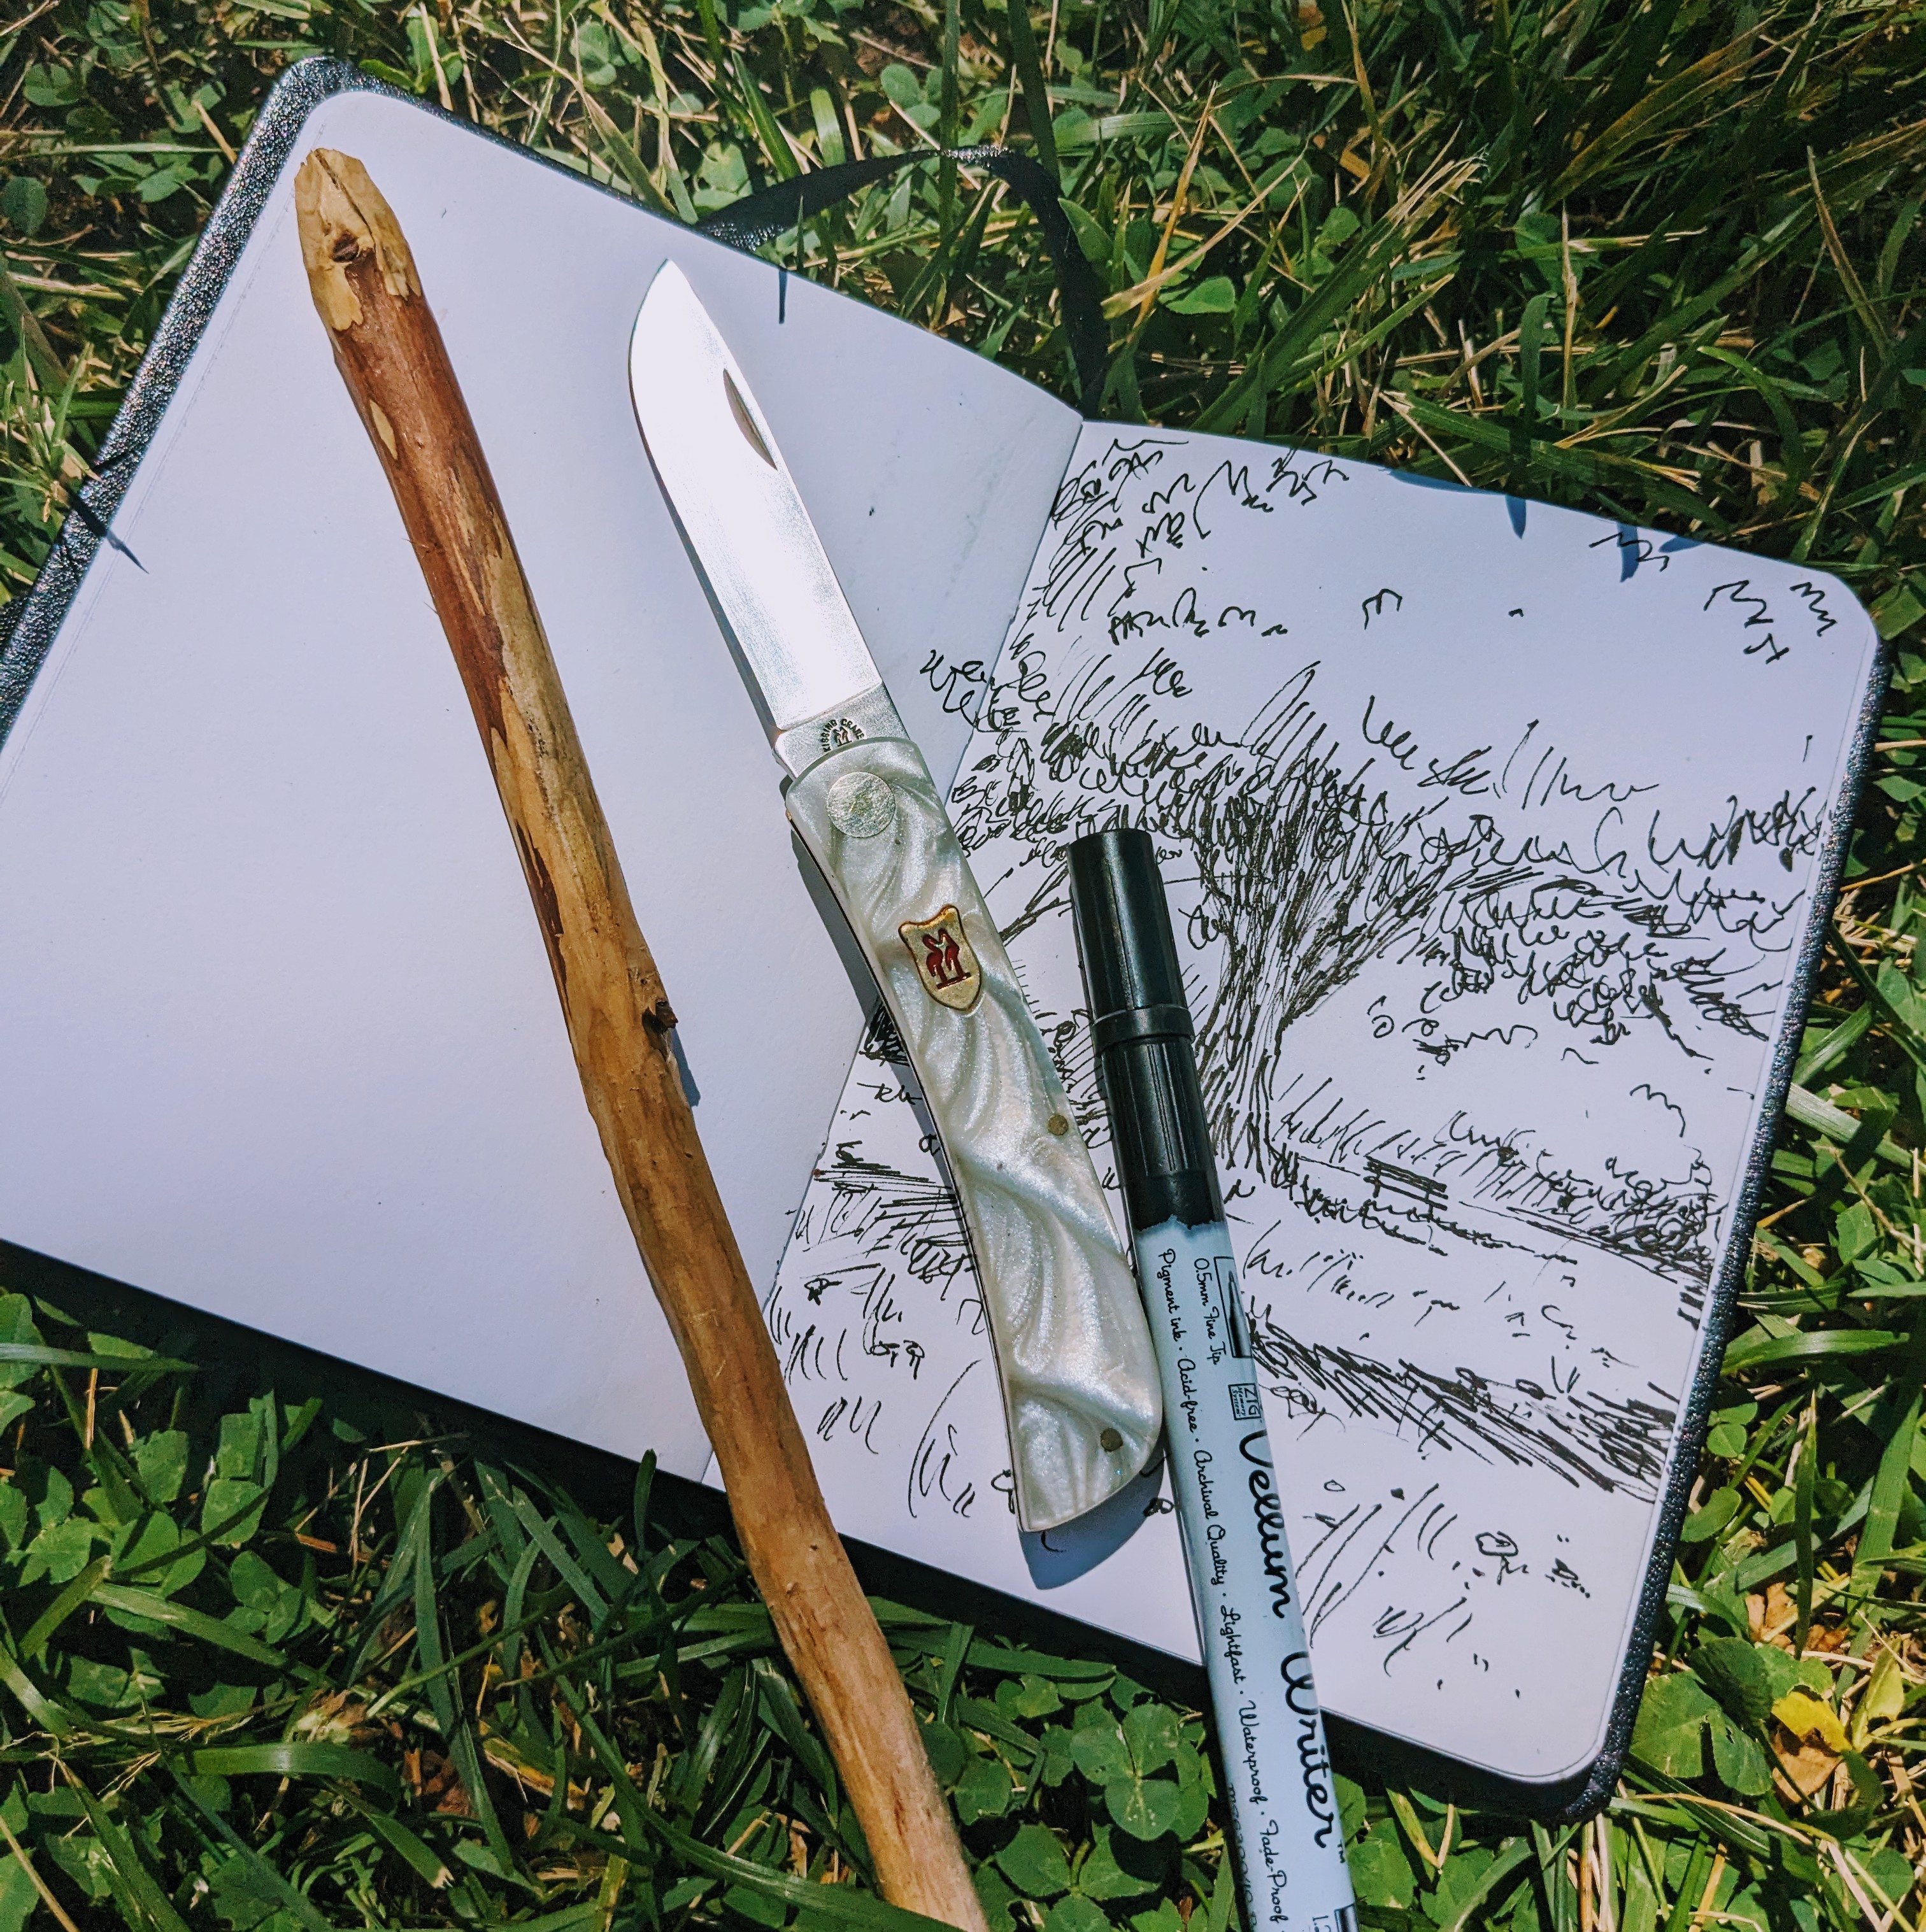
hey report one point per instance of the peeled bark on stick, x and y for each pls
(390, 353)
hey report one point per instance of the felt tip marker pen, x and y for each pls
(1229, 1495)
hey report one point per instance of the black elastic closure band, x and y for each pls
(754, 219)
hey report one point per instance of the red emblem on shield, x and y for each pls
(946, 963)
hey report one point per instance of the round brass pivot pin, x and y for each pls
(1058, 1123)
(862, 805)
(1110, 1440)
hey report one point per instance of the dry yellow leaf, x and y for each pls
(1805, 1717)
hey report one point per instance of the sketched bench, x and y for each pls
(1419, 1190)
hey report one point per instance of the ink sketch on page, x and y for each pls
(1493, 833)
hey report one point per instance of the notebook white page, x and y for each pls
(278, 1037)
(1491, 832)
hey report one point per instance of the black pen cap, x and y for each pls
(1141, 1026)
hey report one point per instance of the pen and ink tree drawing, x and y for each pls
(1487, 963)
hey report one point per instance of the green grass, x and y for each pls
(280, 1662)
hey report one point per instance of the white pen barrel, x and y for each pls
(1230, 1511)
(1079, 1383)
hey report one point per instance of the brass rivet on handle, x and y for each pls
(1110, 1440)
(1058, 1123)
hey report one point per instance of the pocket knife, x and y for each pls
(1073, 1348)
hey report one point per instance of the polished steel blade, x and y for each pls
(741, 511)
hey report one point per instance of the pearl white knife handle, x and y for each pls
(1072, 1347)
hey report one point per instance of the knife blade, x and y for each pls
(1073, 1355)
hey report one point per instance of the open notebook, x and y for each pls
(1501, 839)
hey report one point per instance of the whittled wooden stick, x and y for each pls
(390, 352)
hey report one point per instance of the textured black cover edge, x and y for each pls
(44, 609)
